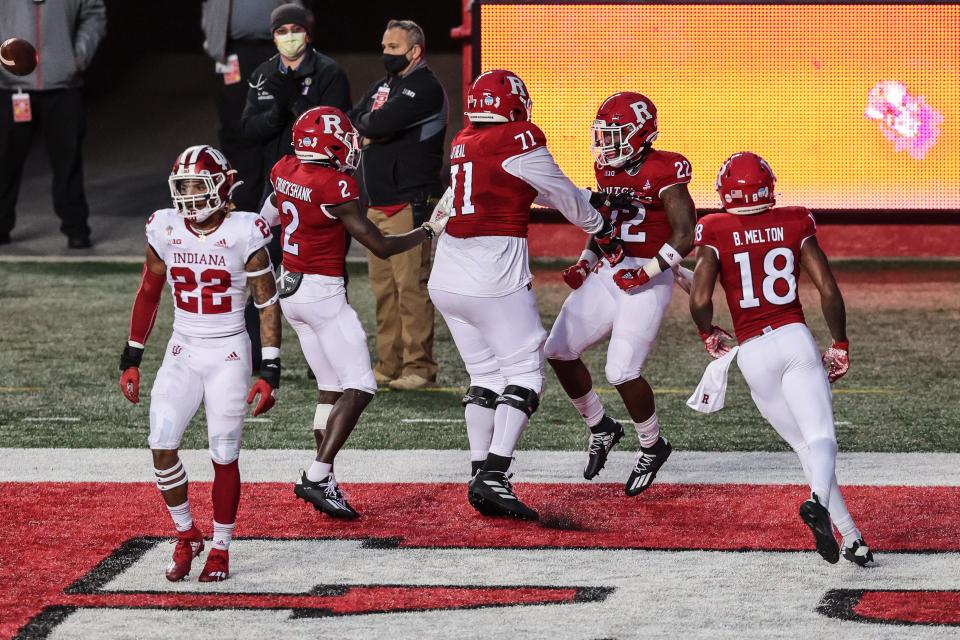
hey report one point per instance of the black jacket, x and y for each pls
(402, 163)
(322, 82)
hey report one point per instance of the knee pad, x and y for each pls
(557, 348)
(522, 398)
(481, 397)
(225, 445)
(617, 374)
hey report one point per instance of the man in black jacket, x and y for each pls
(403, 119)
(296, 79)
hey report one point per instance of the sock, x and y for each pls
(589, 407)
(182, 518)
(509, 423)
(648, 431)
(476, 465)
(226, 491)
(821, 461)
(222, 535)
(319, 471)
(479, 430)
(497, 463)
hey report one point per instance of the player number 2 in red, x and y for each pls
(466, 207)
(214, 284)
(772, 274)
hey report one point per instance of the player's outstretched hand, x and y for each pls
(713, 341)
(130, 373)
(630, 279)
(837, 360)
(610, 245)
(684, 278)
(575, 275)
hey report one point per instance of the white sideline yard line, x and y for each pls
(426, 465)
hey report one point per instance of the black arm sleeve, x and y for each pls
(258, 125)
(401, 111)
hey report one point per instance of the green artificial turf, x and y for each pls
(62, 327)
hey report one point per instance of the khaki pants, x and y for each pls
(404, 310)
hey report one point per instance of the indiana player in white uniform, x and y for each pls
(480, 283)
(316, 200)
(756, 250)
(208, 255)
(626, 301)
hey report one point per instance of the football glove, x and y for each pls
(575, 275)
(266, 386)
(630, 279)
(440, 216)
(130, 373)
(609, 244)
(837, 360)
(713, 341)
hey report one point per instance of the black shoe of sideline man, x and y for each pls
(79, 241)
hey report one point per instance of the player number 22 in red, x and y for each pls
(213, 284)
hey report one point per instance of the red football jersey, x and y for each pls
(313, 240)
(488, 201)
(759, 264)
(646, 232)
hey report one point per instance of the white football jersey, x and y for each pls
(207, 273)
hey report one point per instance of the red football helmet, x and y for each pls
(201, 166)
(626, 124)
(745, 183)
(498, 96)
(325, 134)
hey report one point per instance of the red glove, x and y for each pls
(713, 341)
(130, 384)
(837, 359)
(630, 279)
(268, 396)
(575, 275)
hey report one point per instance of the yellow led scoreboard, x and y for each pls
(855, 106)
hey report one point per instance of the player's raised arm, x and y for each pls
(367, 233)
(142, 317)
(264, 290)
(815, 263)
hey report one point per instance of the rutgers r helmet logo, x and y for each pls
(642, 110)
(331, 124)
(516, 86)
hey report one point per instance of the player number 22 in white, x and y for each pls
(467, 207)
(771, 274)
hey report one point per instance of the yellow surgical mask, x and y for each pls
(291, 45)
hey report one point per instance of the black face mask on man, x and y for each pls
(395, 63)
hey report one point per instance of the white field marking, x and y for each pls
(664, 391)
(444, 465)
(257, 420)
(431, 420)
(52, 419)
(19, 389)
(673, 594)
(71, 259)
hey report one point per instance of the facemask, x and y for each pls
(395, 63)
(291, 45)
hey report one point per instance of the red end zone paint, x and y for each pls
(924, 607)
(838, 241)
(54, 534)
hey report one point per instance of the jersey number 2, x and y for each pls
(467, 206)
(771, 274)
(213, 282)
(289, 246)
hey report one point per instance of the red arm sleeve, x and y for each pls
(145, 306)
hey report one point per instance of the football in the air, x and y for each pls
(18, 56)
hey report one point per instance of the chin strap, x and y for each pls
(145, 307)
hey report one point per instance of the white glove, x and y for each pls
(683, 277)
(441, 213)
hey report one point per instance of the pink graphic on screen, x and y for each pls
(905, 120)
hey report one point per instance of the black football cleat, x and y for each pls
(492, 491)
(816, 516)
(649, 461)
(603, 438)
(859, 554)
(476, 501)
(325, 496)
